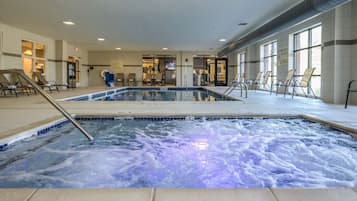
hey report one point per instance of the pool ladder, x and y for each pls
(51, 101)
(242, 86)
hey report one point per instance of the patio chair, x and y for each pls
(265, 81)
(256, 81)
(286, 83)
(22, 83)
(132, 78)
(120, 78)
(305, 82)
(350, 90)
(6, 86)
(45, 84)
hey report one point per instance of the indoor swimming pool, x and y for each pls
(184, 153)
(195, 94)
(167, 95)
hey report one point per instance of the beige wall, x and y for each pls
(119, 59)
(10, 43)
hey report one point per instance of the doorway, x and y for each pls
(221, 72)
(203, 71)
(72, 72)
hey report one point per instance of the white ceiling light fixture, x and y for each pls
(118, 48)
(101, 39)
(222, 40)
(165, 48)
(68, 22)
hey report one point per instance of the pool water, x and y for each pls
(169, 94)
(190, 153)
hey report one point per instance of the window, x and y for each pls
(307, 54)
(241, 66)
(269, 59)
(33, 57)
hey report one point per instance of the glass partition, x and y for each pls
(159, 70)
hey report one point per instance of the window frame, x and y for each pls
(34, 57)
(273, 56)
(309, 49)
(309, 46)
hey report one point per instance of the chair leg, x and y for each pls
(285, 90)
(302, 89)
(347, 96)
(27, 92)
(293, 92)
(313, 92)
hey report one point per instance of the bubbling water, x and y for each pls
(185, 153)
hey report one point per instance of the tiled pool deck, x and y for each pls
(23, 113)
(18, 114)
(178, 194)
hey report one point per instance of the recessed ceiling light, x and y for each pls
(69, 23)
(165, 48)
(101, 39)
(118, 48)
(243, 24)
(222, 40)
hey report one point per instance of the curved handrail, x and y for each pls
(349, 90)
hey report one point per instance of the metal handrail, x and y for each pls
(234, 85)
(349, 90)
(51, 101)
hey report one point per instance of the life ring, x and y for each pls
(102, 74)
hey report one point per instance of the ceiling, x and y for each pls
(188, 25)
